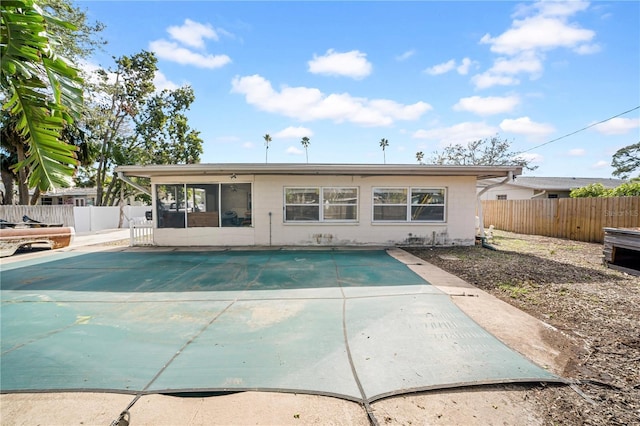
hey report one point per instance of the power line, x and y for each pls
(578, 131)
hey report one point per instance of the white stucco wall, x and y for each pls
(268, 197)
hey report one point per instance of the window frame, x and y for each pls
(321, 204)
(405, 205)
(186, 206)
(409, 204)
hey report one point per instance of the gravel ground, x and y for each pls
(565, 284)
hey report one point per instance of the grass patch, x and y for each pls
(514, 291)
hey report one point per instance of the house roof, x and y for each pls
(69, 192)
(480, 172)
(562, 183)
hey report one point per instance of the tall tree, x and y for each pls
(128, 122)
(120, 94)
(267, 141)
(419, 157)
(626, 160)
(384, 144)
(484, 152)
(41, 92)
(305, 143)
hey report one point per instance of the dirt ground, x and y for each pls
(565, 284)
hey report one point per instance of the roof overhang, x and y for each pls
(480, 172)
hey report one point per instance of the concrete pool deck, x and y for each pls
(519, 331)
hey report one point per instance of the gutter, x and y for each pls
(140, 188)
(483, 237)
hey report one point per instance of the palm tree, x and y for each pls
(305, 142)
(384, 144)
(267, 140)
(41, 91)
(419, 157)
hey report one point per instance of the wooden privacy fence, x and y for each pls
(580, 219)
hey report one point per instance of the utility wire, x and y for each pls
(577, 131)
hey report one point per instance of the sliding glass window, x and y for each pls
(409, 204)
(203, 205)
(321, 204)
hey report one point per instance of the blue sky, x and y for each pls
(420, 74)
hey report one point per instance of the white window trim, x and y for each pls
(320, 205)
(408, 204)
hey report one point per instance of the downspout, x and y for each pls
(544, 191)
(140, 188)
(483, 238)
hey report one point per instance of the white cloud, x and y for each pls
(441, 68)
(187, 36)
(486, 79)
(459, 133)
(488, 105)
(525, 126)
(560, 8)
(175, 53)
(544, 26)
(294, 150)
(538, 33)
(526, 62)
(307, 104)
(193, 33)
(617, 126)
(450, 65)
(463, 68)
(352, 64)
(161, 82)
(531, 157)
(600, 164)
(587, 49)
(294, 132)
(406, 55)
(248, 145)
(577, 152)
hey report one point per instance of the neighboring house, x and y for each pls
(527, 187)
(78, 197)
(64, 196)
(314, 204)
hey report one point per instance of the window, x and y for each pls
(390, 204)
(303, 204)
(395, 204)
(427, 204)
(170, 206)
(203, 205)
(501, 197)
(552, 196)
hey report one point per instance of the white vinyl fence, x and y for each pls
(141, 232)
(83, 219)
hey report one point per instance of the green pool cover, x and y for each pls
(354, 324)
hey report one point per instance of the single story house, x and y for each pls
(78, 197)
(528, 187)
(313, 204)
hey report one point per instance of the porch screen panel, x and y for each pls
(302, 204)
(170, 203)
(427, 204)
(235, 204)
(340, 204)
(390, 204)
(202, 205)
